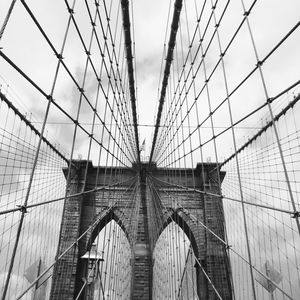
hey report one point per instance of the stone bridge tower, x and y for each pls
(161, 199)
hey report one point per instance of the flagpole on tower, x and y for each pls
(142, 148)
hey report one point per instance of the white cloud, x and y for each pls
(16, 286)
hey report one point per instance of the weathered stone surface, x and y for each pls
(143, 222)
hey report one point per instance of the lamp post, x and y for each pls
(93, 259)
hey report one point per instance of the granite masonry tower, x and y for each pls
(193, 211)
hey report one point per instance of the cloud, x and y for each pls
(16, 286)
(148, 68)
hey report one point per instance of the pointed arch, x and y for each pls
(110, 218)
(185, 222)
(106, 216)
(174, 268)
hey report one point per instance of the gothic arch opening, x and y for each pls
(183, 221)
(109, 215)
(112, 279)
(174, 274)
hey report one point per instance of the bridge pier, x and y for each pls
(142, 266)
(188, 209)
(64, 275)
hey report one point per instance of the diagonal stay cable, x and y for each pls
(7, 17)
(29, 124)
(221, 196)
(101, 214)
(60, 58)
(174, 102)
(111, 57)
(263, 129)
(282, 40)
(102, 188)
(270, 100)
(194, 218)
(9, 61)
(152, 186)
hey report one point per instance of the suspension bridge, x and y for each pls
(149, 149)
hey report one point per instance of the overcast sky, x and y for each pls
(270, 20)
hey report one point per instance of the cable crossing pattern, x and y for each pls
(99, 201)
